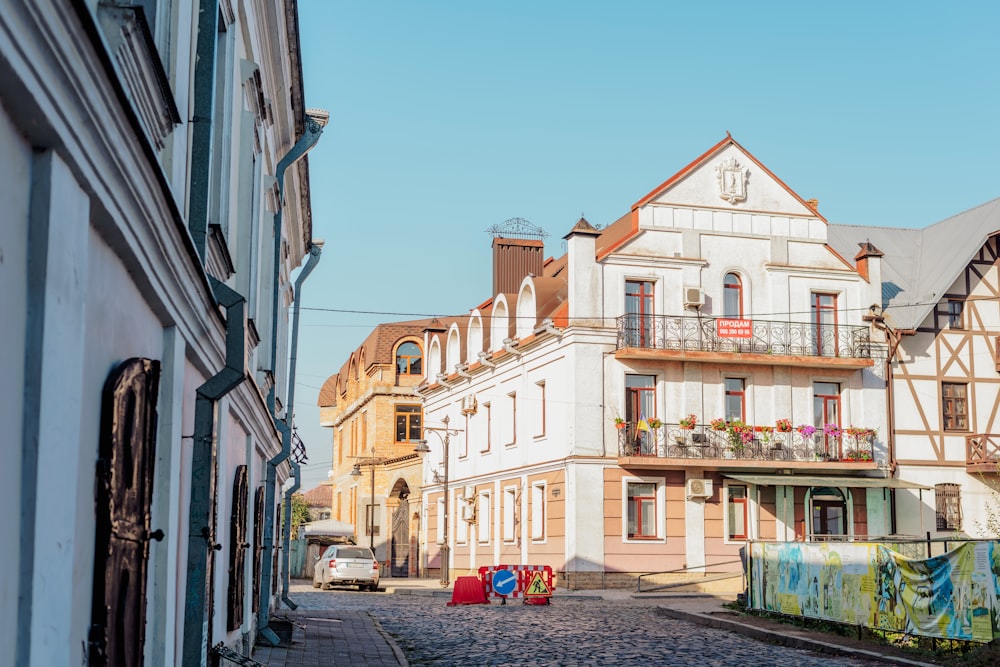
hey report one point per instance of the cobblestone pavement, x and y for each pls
(567, 633)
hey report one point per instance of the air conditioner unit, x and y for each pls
(469, 513)
(694, 297)
(699, 488)
(469, 405)
(469, 493)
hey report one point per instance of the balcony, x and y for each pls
(671, 446)
(982, 452)
(743, 341)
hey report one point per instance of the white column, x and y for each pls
(59, 221)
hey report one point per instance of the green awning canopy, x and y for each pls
(821, 480)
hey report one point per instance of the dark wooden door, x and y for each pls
(124, 491)
(258, 543)
(237, 548)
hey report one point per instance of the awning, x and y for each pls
(820, 480)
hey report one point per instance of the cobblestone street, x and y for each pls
(580, 632)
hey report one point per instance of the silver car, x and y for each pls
(346, 565)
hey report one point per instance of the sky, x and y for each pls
(447, 118)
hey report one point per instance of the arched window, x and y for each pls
(408, 359)
(732, 296)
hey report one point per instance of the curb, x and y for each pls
(398, 652)
(790, 640)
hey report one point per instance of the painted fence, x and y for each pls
(952, 596)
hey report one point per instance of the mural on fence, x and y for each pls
(952, 596)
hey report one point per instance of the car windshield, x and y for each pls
(353, 552)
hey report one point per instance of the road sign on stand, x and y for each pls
(504, 582)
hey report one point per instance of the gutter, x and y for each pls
(201, 516)
(315, 121)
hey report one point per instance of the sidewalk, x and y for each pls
(357, 639)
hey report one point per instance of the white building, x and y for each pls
(717, 296)
(145, 153)
(940, 304)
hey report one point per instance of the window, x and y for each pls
(484, 518)
(638, 313)
(408, 359)
(955, 406)
(408, 423)
(640, 405)
(538, 511)
(641, 500)
(462, 532)
(824, 320)
(736, 513)
(371, 520)
(541, 409)
(463, 442)
(732, 296)
(513, 418)
(488, 440)
(735, 399)
(509, 514)
(955, 310)
(948, 503)
(828, 511)
(826, 410)
(442, 521)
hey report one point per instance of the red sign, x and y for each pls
(733, 328)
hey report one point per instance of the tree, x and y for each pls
(300, 512)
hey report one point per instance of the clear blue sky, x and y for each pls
(449, 117)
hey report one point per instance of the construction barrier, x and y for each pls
(535, 583)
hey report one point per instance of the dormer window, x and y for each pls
(409, 359)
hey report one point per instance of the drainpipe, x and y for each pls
(314, 128)
(201, 125)
(201, 536)
(315, 252)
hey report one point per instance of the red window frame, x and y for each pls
(636, 513)
(826, 410)
(737, 504)
(740, 393)
(639, 310)
(824, 304)
(732, 285)
(955, 406)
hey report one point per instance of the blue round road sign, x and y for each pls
(504, 582)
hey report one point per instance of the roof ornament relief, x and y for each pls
(732, 180)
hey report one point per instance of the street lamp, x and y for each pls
(422, 448)
(355, 473)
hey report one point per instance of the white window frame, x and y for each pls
(539, 512)
(484, 517)
(661, 510)
(510, 515)
(461, 526)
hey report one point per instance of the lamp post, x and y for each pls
(355, 473)
(422, 449)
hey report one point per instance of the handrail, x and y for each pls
(686, 569)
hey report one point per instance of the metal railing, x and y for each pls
(669, 332)
(673, 441)
(701, 569)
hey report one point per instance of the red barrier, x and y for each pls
(468, 590)
(535, 583)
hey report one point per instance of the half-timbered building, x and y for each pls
(940, 308)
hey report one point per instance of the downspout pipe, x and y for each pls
(201, 536)
(315, 253)
(313, 131)
(201, 125)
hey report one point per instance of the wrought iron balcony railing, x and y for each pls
(669, 332)
(672, 441)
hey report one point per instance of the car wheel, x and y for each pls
(316, 584)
